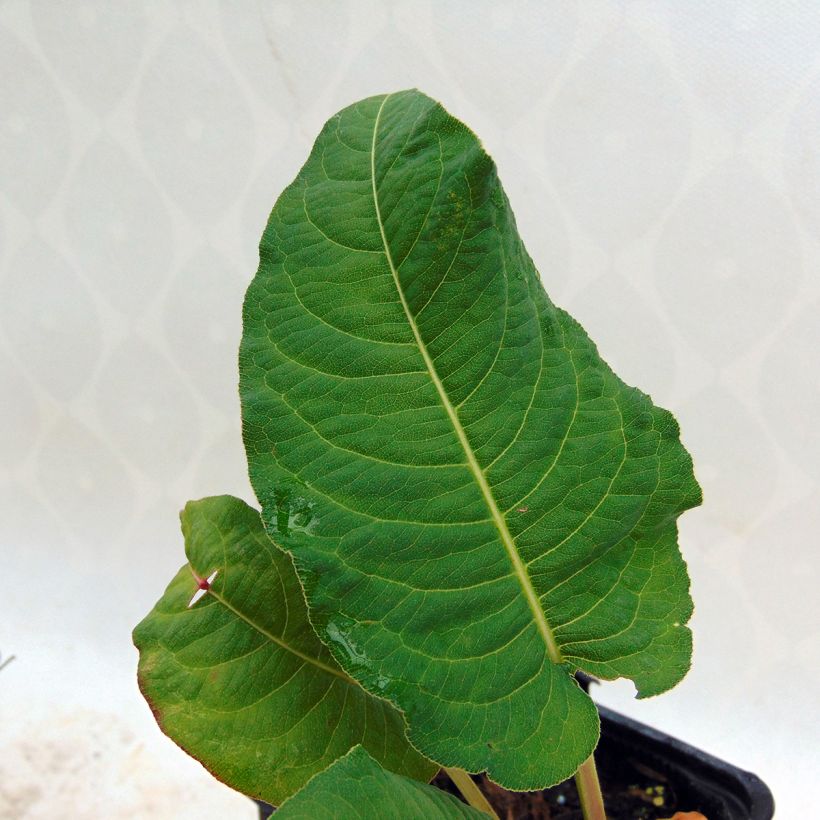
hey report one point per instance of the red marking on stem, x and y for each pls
(202, 586)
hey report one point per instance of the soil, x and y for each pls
(631, 790)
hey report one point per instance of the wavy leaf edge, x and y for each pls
(309, 564)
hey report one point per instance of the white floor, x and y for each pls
(663, 162)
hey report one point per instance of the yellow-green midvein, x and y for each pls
(498, 519)
(278, 641)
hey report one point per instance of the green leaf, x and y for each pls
(356, 786)
(240, 680)
(476, 505)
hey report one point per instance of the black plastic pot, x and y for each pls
(701, 782)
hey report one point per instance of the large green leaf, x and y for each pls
(240, 680)
(355, 786)
(476, 505)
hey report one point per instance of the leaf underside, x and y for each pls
(475, 504)
(355, 786)
(240, 680)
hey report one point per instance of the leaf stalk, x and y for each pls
(589, 790)
(471, 793)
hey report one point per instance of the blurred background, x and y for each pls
(663, 160)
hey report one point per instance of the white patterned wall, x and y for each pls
(663, 159)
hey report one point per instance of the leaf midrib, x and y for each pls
(475, 468)
(278, 641)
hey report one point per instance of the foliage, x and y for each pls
(475, 505)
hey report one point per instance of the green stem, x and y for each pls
(472, 794)
(589, 790)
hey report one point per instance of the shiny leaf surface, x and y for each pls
(476, 504)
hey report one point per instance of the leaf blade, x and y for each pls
(355, 786)
(476, 470)
(483, 505)
(240, 681)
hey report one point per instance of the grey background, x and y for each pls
(663, 160)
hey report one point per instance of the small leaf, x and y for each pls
(356, 786)
(476, 504)
(240, 680)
